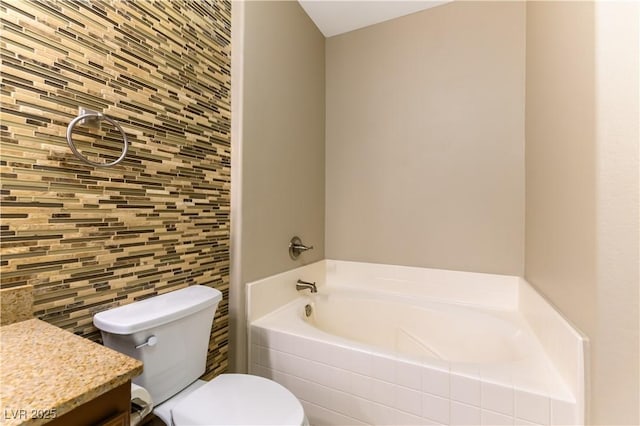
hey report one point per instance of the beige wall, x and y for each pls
(582, 218)
(560, 156)
(616, 357)
(282, 154)
(283, 137)
(425, 140)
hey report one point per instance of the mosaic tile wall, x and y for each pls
(89, 238)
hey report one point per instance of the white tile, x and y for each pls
(299, 367)
(465, 389)
(271, 358)
(262, 355)
(408, 375)
(382, 415)
(383, 368)
(320, 416)
(283, 378)
(337, 356)
(383, 392)
(262, 371)
(532, 407)
(435, 381)
(257, 336)
(361, 385)
(435, 408)
(463, 414)
(402, 418)
(520, 422)
(339, 379)
(408, 400)
(430, 422)
(497, 398)
(343, 403)
(316, 372)
(490, 418)
(360, 362)
(296, 385)
(363, 410)
(327, 375)
(320, 351)
(279, 341)
(309, 349)
(254, 354)
(289, 364)
(349, 359)
(309, 391)
(316, 415)
(389, 416)
(563, 413)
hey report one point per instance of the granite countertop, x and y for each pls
(47, 371)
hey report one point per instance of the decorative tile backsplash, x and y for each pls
(89, 238)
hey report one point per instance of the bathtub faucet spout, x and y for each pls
(302, 285)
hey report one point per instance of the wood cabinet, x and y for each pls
(109, 409)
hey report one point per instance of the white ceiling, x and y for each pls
(335, 17)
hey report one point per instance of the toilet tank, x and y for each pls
(179, 325)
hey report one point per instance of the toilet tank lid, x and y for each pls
(157, 310)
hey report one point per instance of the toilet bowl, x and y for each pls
(236, 399)
(170, 335)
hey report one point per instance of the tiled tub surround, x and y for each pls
(366, 355)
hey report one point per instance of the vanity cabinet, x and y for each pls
(109, 409)
(51, 376)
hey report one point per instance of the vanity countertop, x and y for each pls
(46, 371)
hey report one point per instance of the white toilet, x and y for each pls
(170, 335)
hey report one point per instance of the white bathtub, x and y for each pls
(419, 329)
(395, 345)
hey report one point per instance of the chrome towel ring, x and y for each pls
(84, 115)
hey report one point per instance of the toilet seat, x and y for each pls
(239, 399)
